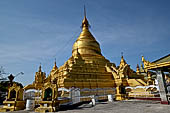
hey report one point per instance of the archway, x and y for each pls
(48, 94)
(31, 94)
(12, 94)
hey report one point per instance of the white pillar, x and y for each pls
(110, 98)
(162, 86)
(93, 101)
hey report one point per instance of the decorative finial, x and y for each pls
(137, 66)
(40, 68)
(143, 58)
(122, 54)
(84, 11)
(85, 22)
(122, 59)
(55, 64)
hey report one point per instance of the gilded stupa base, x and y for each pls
(90, 83)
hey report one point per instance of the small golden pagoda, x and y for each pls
(39, 80)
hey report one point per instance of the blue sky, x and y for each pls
(38, 31)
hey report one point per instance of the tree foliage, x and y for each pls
(2, 73)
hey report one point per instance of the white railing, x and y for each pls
(77, 95)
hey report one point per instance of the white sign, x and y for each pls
(75, 95)
(45, 105)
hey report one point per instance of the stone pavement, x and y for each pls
(117, 107)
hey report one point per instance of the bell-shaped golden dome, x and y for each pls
(86, 44)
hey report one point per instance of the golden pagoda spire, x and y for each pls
(85, 23)
(84, 11)
(55, 65)
(86, 43)
(123, 62)
(137, 67)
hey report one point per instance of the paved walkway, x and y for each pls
(118, 107)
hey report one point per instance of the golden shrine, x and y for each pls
(14, 99)
(49, 102)
(39, 80)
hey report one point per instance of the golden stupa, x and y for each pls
(86, 67)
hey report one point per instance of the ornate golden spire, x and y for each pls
(137, 69)
(55, 65)
(86, 43)
(122, 59)
(85, 22)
